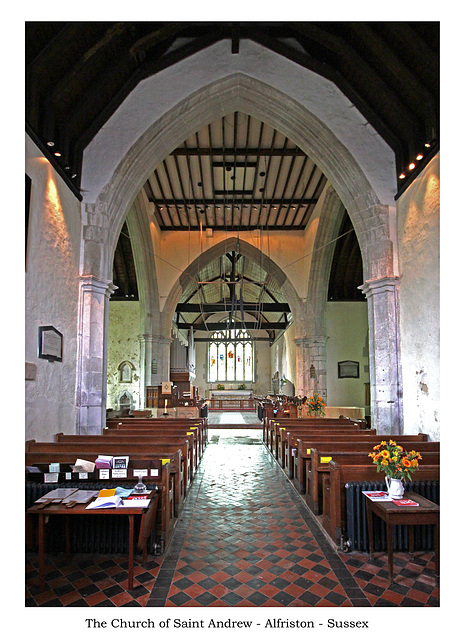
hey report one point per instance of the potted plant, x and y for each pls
(241, 386)
(315, 405)
(397, 464)
(220, 387)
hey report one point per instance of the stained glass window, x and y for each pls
(230, 356)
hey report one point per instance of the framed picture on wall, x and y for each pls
(348, 369)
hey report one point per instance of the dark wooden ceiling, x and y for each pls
(78, 73)
(235, 174)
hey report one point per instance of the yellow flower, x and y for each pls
(384, 463)
(385, 453)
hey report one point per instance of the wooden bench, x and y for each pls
(189, 424)
(150, 451)
(350, 453)
(181, 470)
(305, 443)
(288, 441)
(166, 513)
(269, 425)
(334, 493)
(277, 426)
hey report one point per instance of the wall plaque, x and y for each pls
(50, 344)
(348, 369)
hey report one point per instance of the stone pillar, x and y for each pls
(316, 366)
(301, 350)
(91, 375)
(154, 362)
(385, 369)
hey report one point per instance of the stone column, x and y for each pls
(316, 366)
(385, 369)
(301, 366)
(91, 374)
(154, 362)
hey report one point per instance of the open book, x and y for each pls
(105, 502)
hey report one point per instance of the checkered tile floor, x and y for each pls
(245, 539)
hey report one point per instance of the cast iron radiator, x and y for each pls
(99, 534)
(357, 533)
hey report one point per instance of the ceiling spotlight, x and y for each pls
(420, 156)
(50, 143)
(427, 145)
(58, 154)
(411, 166)
(402, 176)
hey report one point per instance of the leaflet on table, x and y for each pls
(406, 502)
(139, 503)
(57, 494)
(80, 497)
(377, 496)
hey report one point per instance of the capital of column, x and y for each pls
(388, 284)
(92, 284)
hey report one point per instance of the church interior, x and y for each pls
(232, 298)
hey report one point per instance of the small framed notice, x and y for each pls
(50, 344)
(348, 369)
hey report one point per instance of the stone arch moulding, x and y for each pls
(221, 247)
(369, 216)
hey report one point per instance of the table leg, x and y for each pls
(389, 536)
(436, 548)
(131, 554)
(67, 538)
(41, 543)
(411, 539)
(370, 529)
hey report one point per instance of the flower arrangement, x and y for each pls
(315, 405)
(241, 386)
(390, 458)
(220, 387)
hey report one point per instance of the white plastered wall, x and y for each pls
(51, 289)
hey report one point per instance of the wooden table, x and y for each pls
(147, 515)
(426, 512)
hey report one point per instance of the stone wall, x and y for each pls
(123, 346)
(419, 297)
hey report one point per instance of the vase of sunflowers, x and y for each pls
(397, 464)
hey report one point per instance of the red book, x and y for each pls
(405, 503)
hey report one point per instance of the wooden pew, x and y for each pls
(192, 433)
(355, 453)
(277, 426)
(181, 470)
(303, 444)
(334, 494)
(269, 424)
(151, 450)
(199, 424)
(166, 517)
(292, 434)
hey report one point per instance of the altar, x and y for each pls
(232, 399)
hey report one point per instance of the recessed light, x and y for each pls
(402, 176)
(50, 143)
(411, 166)
(420, 156)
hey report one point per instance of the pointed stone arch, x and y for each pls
(370, 218)
(217, 250)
